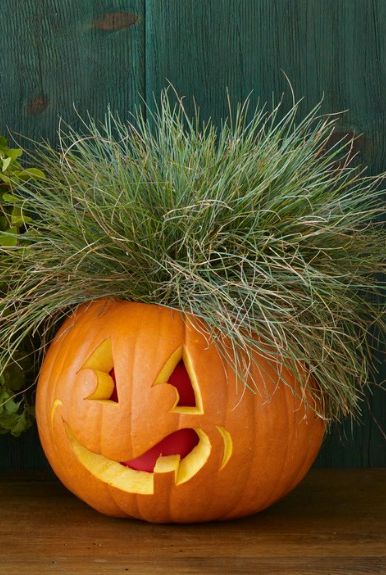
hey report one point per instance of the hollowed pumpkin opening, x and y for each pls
(181, 381)
(114, 393)
(178, 371)
(179, 443)
(125, 478)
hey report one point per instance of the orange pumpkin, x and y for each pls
(139, 416)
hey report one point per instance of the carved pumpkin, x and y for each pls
(139, 416)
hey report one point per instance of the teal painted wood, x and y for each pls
(57, 56)
(330, 49)
(333, 50)
(63, 57)
(59, 52)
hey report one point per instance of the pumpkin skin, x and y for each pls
(252, 448)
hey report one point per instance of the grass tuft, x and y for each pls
(259, 227)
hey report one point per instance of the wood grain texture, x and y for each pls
(57, 53)
(330, 49)
(60, 58)
(333, 50)
(334, 523)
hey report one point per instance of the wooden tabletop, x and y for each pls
(334, 523)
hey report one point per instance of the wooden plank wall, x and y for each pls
(69, 57)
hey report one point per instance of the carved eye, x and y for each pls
(102, 364)
(178, 372)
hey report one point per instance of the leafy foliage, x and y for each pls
(262, 228)
(11, 175)
(15, 413)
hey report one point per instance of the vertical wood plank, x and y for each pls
(330, 49)
(63, 57)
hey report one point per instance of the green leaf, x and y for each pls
(6, 163)
(15, 418)
(31, 173)
(17, 221)
(5, 179)
(4, 223)
(14, 376)
(10, 198)
(11, 407)
(16, 216)
(14, 153)
(8, 238)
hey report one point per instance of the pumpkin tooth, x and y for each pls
(195, 460)
(167, 463)
(180, 443)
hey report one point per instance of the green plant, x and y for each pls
(261, 227)
(12, 174)
(15, 414)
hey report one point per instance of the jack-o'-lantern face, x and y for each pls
(183, 451)
(139, 416)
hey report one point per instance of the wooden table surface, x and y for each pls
(333, 523)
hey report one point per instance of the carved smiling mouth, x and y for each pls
(183, 452)
(180, 444)
(131, 477)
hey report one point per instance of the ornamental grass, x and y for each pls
(265, 227)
